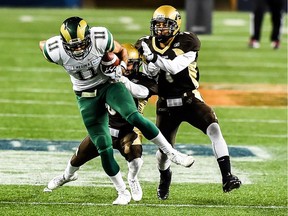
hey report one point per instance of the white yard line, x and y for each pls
(48, 116)
(148, 205)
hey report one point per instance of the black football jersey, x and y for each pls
(175, 85)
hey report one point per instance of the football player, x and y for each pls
(172, 56)
(124, 138)
(79, 49)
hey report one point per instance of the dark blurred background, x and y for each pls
(241, 5)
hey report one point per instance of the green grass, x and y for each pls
(37, 102)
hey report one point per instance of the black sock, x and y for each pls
(225, 167)
(166, 172)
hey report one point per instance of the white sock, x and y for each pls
(118, 182)
(163, 161)
(134, 167)
(163, 144)
(70, 170)
(219, 145)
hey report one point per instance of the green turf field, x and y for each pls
(37, 103)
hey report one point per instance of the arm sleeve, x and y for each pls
(177, 64)
(136, 90)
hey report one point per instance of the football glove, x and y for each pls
(149, 56)
(114, 72)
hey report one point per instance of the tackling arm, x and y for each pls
(177, 64)
(137, 91)
(172, 66)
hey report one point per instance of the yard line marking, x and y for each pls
(36, 90)
(31, 69)
(67, 103)
(147, 204)
(41, 102)
(30, 115)
(211, 64)
(44, 129)
(242, 134)
(234, 22)
(273, 121)
(15, 115)
(279, 136)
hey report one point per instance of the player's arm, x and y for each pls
(50, 49)
(183, 60)
(137, 91)
(177, 64)
(121, 52)
(172, 66)
(41, 44)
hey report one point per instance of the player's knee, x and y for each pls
(213, 129)
(136, 151)
(102, 142)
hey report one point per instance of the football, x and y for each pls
(109, 59)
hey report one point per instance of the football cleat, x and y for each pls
(165, 181)
(231, 182)
(123, 198)
(275, 44)
(58, 181)
(254, 44)
(181, 159)
(136, 189)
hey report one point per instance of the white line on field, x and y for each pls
(41, 102)
(211, 64)
(67, 103)
(32, 69)
(147, 204)
(15, 115)
(30, 115)
(36, 90)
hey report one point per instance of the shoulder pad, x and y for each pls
(52, 49)
(102, 38)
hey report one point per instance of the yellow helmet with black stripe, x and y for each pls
(75, 34)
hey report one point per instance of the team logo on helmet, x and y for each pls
(76, 39)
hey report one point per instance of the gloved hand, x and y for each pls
(114, 72)
(150, 57)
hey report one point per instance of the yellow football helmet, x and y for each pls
(171, 22)
(76, 39)
(133, 59)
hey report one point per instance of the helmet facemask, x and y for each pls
(168, 25)
(135, 63)
(77, 48)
